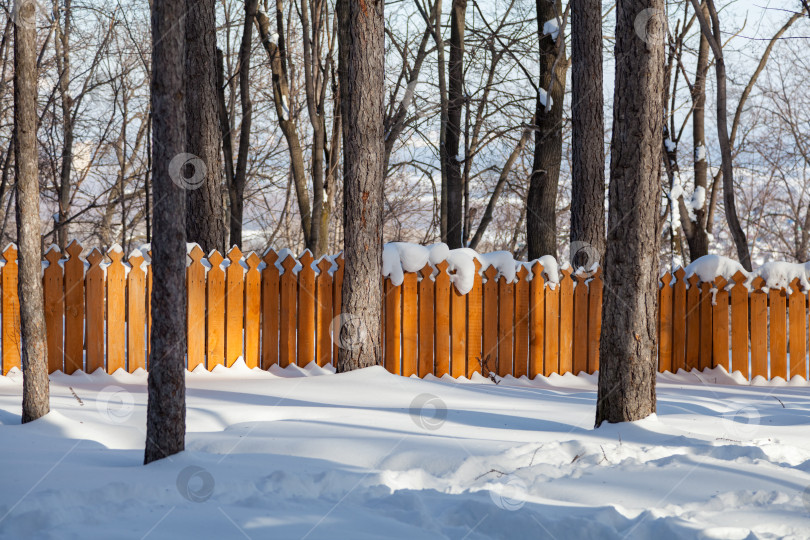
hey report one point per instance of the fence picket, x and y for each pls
(489, 357)
(665, 324)
(458, 333)
(798, 330)
(94, 290)
(53, 291)
(693, 323)
(306, 310)
(136, 314)
(521, 327)
(759, 329)
(566, 321)
(720, 346)
(289, 288)
(215, 309)
(195, 308)
(595, 287)
(537, 318)
(679, 321)
(778, 330)
(74, 309)
(116, 311)
(442, 324)
(234, 306)
(580, 335)
(506, 325)
(393, 321)
(337, 303)
(253, 310)
(475, 312)
(739, 325)
(323, 342)
(270, 299)
(552, 331)
(410, 324)
(705, 354)
(426, 303)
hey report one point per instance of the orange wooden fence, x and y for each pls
(97, 316)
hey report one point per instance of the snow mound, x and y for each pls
(779, 275)
(709, 267)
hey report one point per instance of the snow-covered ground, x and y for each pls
(288, 454)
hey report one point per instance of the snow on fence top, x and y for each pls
(776, 274)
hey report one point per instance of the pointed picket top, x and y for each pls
(720, 283)
(693, 280)
(490, 273)
(95, 257)
(442, 267)
(537, 272)
(235, 254)
(253, 260)
(270, 257)
(566, 272)
(196, 253)
(215, 258)
(739, 278)
(597, 274)
(426, 271)
(53, 256)
(135, 261)
(288, 263)
(115, 253)
(324, 266)
(680, 273)
(478, 266)
(581, 277)
(758, 283)
(10, 253)
(522, 273)
(666, 279)
(794, 286)
(306, 259)
(74, 249)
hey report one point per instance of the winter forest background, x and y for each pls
(94, 133)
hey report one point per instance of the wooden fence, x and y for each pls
(97, 316)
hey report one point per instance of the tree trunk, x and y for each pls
(361, 67)
(628, 344)
(236, 190)
(541, 219)
(166, 409)
(588, 127)
(32, 305)
(204, 214)
(452, 133)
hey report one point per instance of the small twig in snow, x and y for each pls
(780, 402)
(76, 396)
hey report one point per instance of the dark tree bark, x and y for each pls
(166, 409)
(361, 68)
(32, 306)
(541, 218)
(588, 127)
(452, 133)
(204, 213)
(629, 341)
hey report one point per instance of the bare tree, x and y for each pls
(204, 212)
(629, 340)
(166, 408)
(361, 67)
(587, 119)
(32, 305)
(541, 218)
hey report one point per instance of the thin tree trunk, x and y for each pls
(452, 133)
(166, 409)
(588, 127)
(361, 67)
(714, 37)
(62, 45)
(204, 216)
(628, 342)
(236, 190)
(541, 218)
(32, 306)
